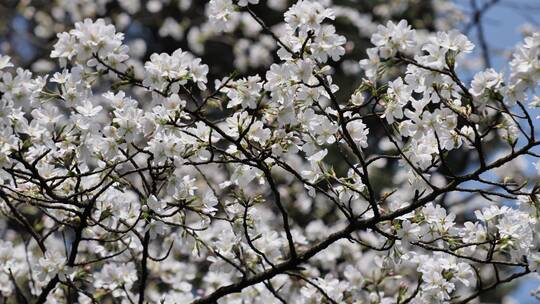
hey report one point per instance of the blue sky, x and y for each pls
(502, 22)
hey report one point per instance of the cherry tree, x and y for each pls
(150, 184)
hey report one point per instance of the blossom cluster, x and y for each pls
(157, 186)
(183, 22)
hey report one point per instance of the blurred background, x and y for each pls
(28, 31)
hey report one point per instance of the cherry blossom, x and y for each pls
(132, 181)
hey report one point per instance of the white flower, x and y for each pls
(113, 275)
(259, 133)
(5, 62)
(487, 214)
(409, 231)
(88, 109)
(485, 80)
(92, 38)
(244, 174)
(317, 157)
(393, 38)
(455, 41)
(245, 92)
(399, 95)
(359, 132)
(156, 204)
(50, 265)
(167, 72)
(533, 260)
(357, 99)
(222, 13)
(246, 2)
